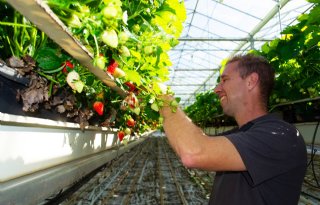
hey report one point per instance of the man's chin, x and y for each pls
(226, 112)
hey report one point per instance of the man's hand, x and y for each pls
(169, 101)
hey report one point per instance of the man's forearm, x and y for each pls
(196, 149)
(183, 135)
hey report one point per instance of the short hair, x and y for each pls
(250, 63)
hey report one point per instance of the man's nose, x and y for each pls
(217, 89)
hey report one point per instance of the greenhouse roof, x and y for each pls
(217, 29)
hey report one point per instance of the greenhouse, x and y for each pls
(159, 102)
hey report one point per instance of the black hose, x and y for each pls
(313, 153)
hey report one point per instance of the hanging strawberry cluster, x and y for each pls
(129, 40)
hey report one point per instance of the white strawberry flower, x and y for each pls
(72, 77)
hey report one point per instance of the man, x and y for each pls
(264, 161)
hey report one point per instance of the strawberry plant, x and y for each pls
(295, 57)
(127, 39)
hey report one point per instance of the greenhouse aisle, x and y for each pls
(151, 173)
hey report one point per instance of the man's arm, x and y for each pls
(196, 149)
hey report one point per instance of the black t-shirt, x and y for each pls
(275, 156)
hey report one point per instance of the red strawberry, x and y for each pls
(112, 66)
(98, 107)
(131, 86)
(131, 122)
(67, 66)
(121, 135)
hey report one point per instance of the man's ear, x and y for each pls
(252, 80)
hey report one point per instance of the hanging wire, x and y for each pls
(279, 16)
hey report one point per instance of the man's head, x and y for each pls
(247, 80)
(248, 64)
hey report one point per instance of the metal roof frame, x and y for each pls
(197, 58)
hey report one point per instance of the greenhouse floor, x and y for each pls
(151, 173)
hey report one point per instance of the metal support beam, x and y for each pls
(186, 85)
(224, 39)
(204, 49)
(193, 69)
(184, 94)
(265, 20)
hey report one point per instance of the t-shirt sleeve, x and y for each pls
(267, 150)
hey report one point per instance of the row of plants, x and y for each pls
(296, 59)
(129, 41)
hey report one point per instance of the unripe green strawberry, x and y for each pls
(110, 12)
(148, 50)
(124, 51)
(127, 131)
(174, 103)
(84, 9)
(74, 21)
(123, 37)
(110, 38)
(136, 28)
(100, 62)
(136, 110)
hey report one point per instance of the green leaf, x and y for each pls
(135, 54)
(134, 76)
(313, 1)
(274, 43)
(158, 53)
(48, 60)
(155, 107)
(265, 48)
(150, 113)
(89, 80)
